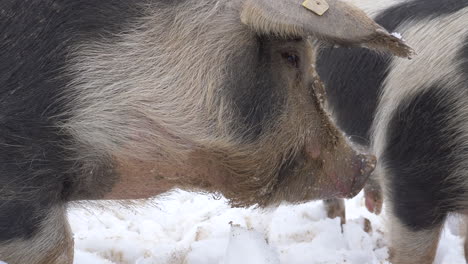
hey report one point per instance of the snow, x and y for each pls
(249, 247)
(190, 228)
(397, 35)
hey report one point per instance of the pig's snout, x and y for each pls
(344, 171)
(363, 166)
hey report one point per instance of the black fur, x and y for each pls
(421, 151)
(37, 168)
(418, 10)
(353, 79)
(258, 90)
(257, 97)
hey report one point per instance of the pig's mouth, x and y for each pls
(350, 186)
(339, 188)
(356, 186)
(313, 182)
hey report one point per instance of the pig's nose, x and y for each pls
(364, 165)
(368, 163)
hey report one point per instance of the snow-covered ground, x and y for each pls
(189, 228)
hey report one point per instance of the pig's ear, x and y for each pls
(340, 24)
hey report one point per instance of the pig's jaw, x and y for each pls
(318, 187)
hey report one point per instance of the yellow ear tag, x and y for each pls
(319, 7)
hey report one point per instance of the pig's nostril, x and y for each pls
(368, 163)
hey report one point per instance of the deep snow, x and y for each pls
(192, 228)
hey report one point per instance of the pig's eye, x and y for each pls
(291, 58)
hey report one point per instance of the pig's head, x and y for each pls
(225, 96)
(285, 146)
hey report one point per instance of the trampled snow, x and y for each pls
(190, 228)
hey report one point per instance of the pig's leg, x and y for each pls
(466, 249)
(46, 241)
(335, 208)
(409, 246)
(465, 233)
(373, 195)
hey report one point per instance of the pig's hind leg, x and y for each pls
(409, 246)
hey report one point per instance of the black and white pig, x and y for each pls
(413, 114)
(120, 99)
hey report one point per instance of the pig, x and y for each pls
(412, 114)
(116, 99)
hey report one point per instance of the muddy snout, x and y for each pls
(343, 172)
(362, 166)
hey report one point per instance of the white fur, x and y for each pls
(375, 7)
(412, 246)
(151, 86)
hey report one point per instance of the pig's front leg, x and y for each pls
(335, 208)
(373, 195)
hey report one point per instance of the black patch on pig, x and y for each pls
(418, 10)
(420, 153)
(37, 166)
(353, 80)
(20, 219)
(257, 93)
